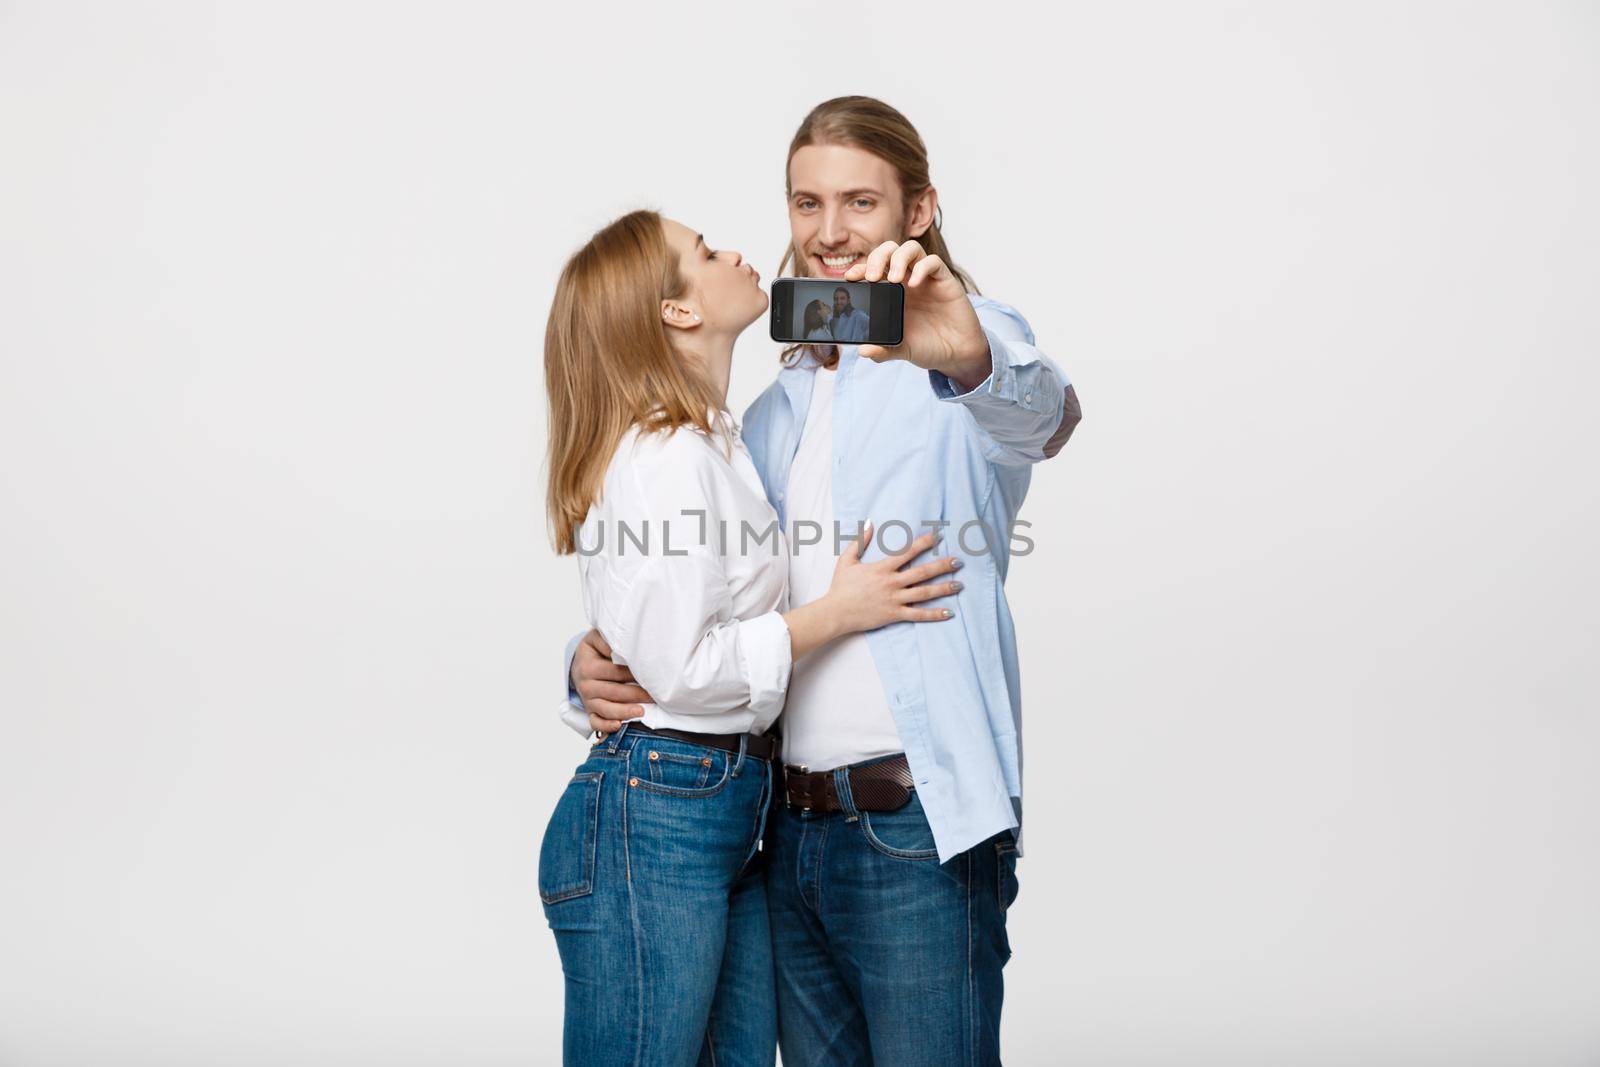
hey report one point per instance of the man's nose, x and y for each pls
(833, 231)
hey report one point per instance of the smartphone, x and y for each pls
(817, 311)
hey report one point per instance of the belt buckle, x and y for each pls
(805, 804)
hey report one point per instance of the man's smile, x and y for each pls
(837, 263)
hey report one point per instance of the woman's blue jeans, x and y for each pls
(650, 878)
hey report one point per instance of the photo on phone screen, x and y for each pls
(817, 311)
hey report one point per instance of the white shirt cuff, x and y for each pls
(575, 717)
(766, 658)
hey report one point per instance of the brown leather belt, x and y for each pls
(882, 786)
(755, 745)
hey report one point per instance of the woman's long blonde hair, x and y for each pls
(608, 364)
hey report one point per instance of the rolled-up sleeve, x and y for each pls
(571, 710)
(675, 629)
(1018, 408)
(572, 706)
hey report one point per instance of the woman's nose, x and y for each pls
(737, 258)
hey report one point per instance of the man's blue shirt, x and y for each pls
(851, 326)
(910, 448)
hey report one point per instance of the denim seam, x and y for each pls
(920, 855)
(1002, 849)
(711, 1044)
(677, 757)
(800, 864)
(816, 880)
(673, 791)
(970, 857)
(822, 856)
(670, 757)
(638, 933)
(761, 821)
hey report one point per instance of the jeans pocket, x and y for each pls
(694, 771)
(566, 858)
(1006, 872)
(903, 833)
(676, 771)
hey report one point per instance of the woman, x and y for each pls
(816, 322)
(646, 872)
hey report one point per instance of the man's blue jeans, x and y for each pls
(884, 955)
(650, 879)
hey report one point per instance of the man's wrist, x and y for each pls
(970, 370)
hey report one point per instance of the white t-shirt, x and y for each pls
(836, 712)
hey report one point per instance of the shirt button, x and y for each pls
(1027, 396)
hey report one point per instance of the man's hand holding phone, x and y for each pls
(942, 332)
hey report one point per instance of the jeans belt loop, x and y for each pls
(841, 789)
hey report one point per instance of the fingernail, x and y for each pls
(957, 586)
(956, 564)
(948, 613)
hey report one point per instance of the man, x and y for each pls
(848, 325)
(892, 843)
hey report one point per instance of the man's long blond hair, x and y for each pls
(868, 123)
(608, 364)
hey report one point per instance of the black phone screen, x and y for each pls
(818, 311)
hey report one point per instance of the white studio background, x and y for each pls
(1309, 639)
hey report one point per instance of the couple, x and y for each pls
(847, 324)
(715, 888)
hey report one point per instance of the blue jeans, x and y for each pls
(884, 955)
(650, 879)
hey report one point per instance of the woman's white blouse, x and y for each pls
(685, 572)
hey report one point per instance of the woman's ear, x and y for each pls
(923, 209)
(679, 316)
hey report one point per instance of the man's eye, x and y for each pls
(807, 205)
(711, 252)
(863, 203)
